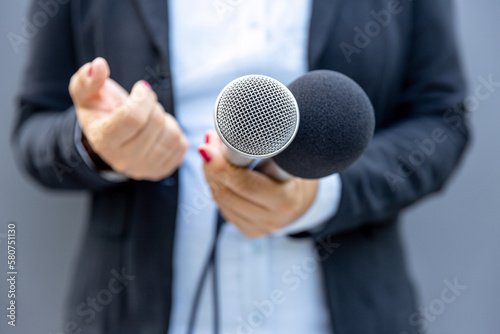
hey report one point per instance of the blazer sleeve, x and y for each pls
(44, 135)
(414, 156)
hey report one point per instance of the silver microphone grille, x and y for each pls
(256, 116)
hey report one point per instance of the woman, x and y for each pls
(302, 256)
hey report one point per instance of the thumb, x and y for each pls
(98, 73)
(217, 169)
(212, 152)
(90, 78)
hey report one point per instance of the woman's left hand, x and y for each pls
(256, 204)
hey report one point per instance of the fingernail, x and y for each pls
(207, 138)
(90, 69)
(147, 84)
(204, 154)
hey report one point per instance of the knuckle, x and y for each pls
(220, 194)
(282, 206)
(252, 234)
(123, 112)
(220, 177)
(154, 98)
(177, 161)
(139, 120)
(130, 116)
(99, 148)
(174, 161)
(268, 225)
(139, 93)
(288, 199)
(238, 176)
(138, 175)
(175, 137)
(283, 209)
(184, 145)
(96, 139)
(216, 192)
(287, 210)
(141, 117)
(130, 104)
(168, 169)
(122, 166)
(103, 135)
(287, 196)
(158, 119)
(246, 185)
(133, 175)
(156, 178)
(296, 211)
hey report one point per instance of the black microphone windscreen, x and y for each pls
(336, 125)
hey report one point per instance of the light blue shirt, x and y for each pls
(268, 285)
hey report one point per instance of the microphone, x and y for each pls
(257, 117)
(337, 122)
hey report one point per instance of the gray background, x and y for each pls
(454, 235)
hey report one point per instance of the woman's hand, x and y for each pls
(256, 204)
(132, 133)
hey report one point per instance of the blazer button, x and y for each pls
(169, 182)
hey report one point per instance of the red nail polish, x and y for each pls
(147, 84)
(207, 138)
(90, 69)
(205, 156)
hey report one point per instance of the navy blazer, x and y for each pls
(407, 63)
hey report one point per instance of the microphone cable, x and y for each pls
(211, 263)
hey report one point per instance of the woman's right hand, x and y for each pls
(132, 133)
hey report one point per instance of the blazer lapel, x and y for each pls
(324, 12)
(323, 18)
(155, 16)
(154, 13)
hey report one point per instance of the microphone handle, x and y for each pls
(271, 169)
(265, 166)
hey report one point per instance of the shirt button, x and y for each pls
(169, 182)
